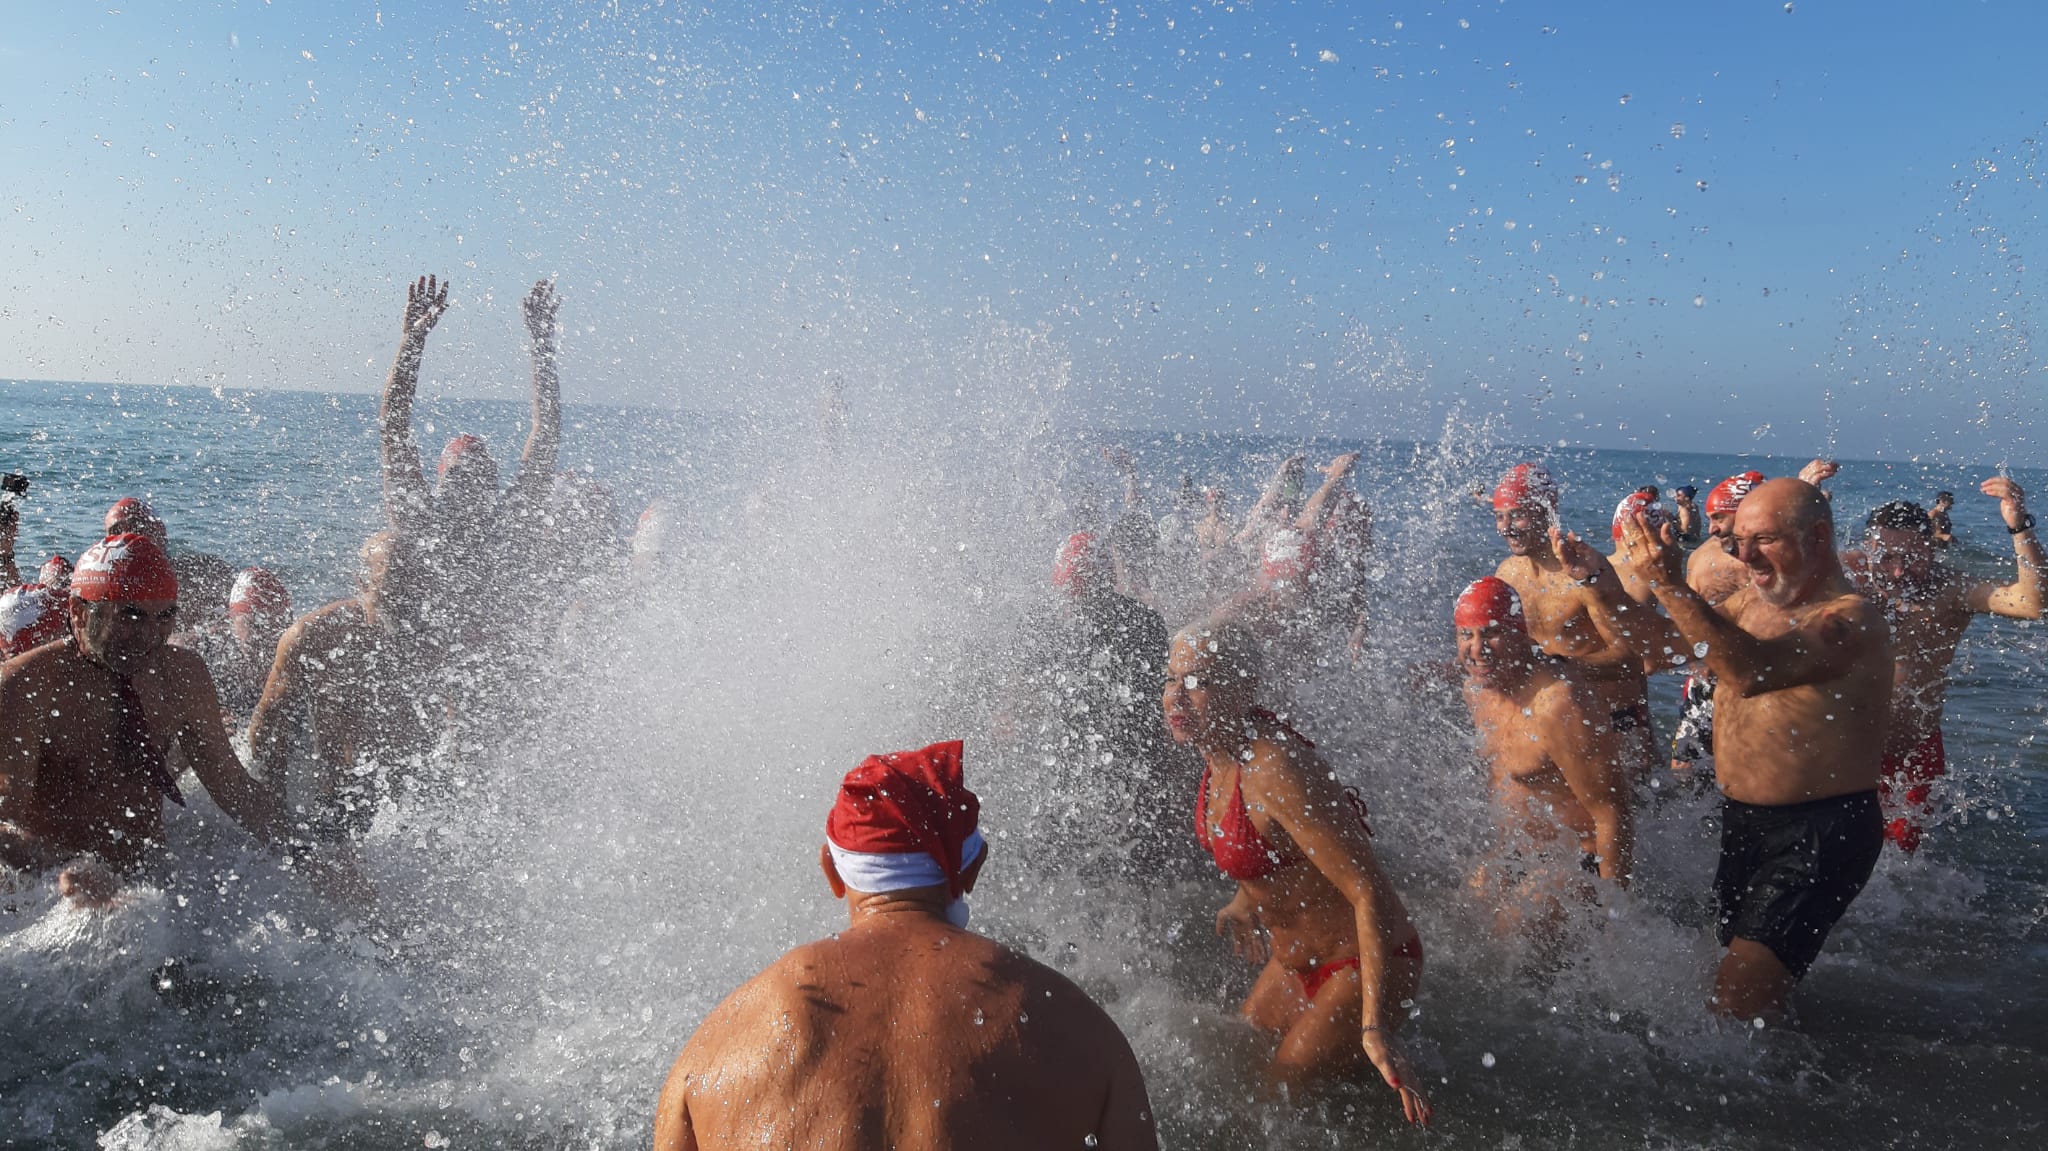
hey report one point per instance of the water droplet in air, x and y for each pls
(1089, 1141)
(1487, 1060)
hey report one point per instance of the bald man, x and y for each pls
(1803, 666)
(905, 1030)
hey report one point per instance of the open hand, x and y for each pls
(1393, 1067)
(540, 306)
(1651, 552)
(1340, 467)
(1238, 922)
(2012, 500)
(1581, 560)
(1817, 472)
(425, 300)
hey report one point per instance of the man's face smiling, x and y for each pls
(1525, 527)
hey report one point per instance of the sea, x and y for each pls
(553, 923)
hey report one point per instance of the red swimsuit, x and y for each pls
(1242, 853)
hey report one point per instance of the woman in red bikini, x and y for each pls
(1341, 955)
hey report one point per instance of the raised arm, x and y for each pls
(405, 487)
(1826, 645)
(544, 441)
(2024, 597)
(1589, 754)
(1624, 623)
(1286, 476)
(1334, 475)
(10, 527)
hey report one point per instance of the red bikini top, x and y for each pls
(1237, 847)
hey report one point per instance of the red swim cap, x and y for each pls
(1526, 486)
(55, 574)
(459, 447)
(124, 568)
(133, 515)
(30, 616)
(908, 803)
(1643, 504)
(1287, 557)
(1728, 494)
(1077, 558)
(1489, 601)
(258, 591)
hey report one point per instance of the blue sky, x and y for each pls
(1718, 226)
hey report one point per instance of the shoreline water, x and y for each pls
(553, 932)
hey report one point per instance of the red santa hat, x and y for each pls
(905, 820)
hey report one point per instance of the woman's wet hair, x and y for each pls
(1228, 644)
(1901, 515)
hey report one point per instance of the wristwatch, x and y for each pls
(2026, 524)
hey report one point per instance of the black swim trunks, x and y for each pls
(1631, 718)
(1788, 873)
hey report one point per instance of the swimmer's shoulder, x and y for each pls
(35, 667)
(326, 623)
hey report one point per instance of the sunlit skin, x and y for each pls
(1560, 778)
(1565, 619)
(1930, 604)
(61, 795)
(905, 1032)
(360, 670)
(465, 514)
(1804, 669)
(1333, 905)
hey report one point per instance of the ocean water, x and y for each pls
(550, 931)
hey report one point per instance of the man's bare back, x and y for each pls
(66, 786)
(911, 1034)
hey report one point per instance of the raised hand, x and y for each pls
(1817, 472)
(1392, 1065)
(540, 306)
(425, 300)
(1340, 467)
(1651, 552)
(1581, 560)
(2012, 499)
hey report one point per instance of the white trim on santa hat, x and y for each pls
(879, 873)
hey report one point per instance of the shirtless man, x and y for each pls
(905, 1031)
(1929, 605)
(1558, 774)
(1804, 670)
(359, 674)
(1563, 613)
(83, 773)
(1715, 573)
(466, 533)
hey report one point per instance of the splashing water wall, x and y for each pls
(553, 927)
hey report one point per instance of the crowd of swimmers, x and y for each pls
(1814, 683)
